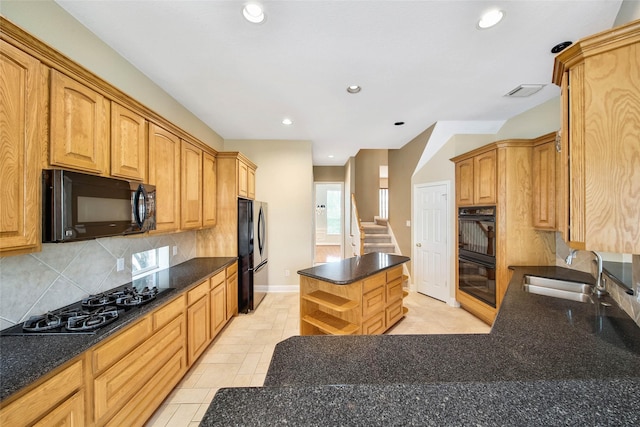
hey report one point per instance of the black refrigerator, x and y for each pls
(252, 253)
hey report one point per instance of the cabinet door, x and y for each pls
(251, 183)
(243, 179)
(544, 186)
(218, 306)
(19, 147)
(69, 413)
(191, 205)
(209, 190)
(164, 173)
(464, 182)
(128, 144)
(232, 291)
(197, 328)
(484, 178)
(79, 126)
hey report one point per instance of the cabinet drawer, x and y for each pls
(372, 302)
(394, 273)
(45, 397)
(374, 325)
(217, 279)
(167, 313)
(198, 292)
(232, 269)
(120, 345)
(394, 290)
(394, 312)
(373, 282)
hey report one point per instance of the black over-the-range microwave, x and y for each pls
(78, 206)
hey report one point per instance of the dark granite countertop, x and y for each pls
(353, 269)
(546, 361)
(23, 360)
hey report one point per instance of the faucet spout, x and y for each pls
(600, 289)
(569, 259)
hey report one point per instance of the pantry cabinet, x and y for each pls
(79, 129)
(22, 125)
(544, 158)
(128, 144)
(600, 87)
(164, 173)
(191, 204)
(476, 179)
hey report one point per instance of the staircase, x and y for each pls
(377, 237)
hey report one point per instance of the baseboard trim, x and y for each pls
(277, 289)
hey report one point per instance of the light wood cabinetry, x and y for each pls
(164, 173)
(517, 242)
(23, 106)
(79, 126)
(600, 88)
(369, 306)
(209, 192)
(544, 182)
(198, 321)
(218, 303)
(191, 206)
(476, 179)
(58, 397)
(128, 144)
(232, 290)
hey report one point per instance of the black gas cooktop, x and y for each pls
(86, 316)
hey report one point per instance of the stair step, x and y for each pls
(377, 238)
(379, 247)
(371, 228)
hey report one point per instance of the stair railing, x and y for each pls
(357, 231)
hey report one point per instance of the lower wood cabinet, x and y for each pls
(218, 302)
(198, 321)
(232, 290)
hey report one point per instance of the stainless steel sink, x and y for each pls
(565, 289)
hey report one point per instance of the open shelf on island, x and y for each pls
(331, 301)
(330, 324)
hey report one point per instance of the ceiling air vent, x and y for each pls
(524, 90)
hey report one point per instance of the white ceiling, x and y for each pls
(417, 62)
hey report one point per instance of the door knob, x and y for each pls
(419, 245)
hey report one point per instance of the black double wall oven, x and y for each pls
(477, 253)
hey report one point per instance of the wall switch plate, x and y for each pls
(286, 273)
(175, 250)
(120, 264)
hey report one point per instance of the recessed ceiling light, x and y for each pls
(287, 121)
(330, 156)
(354, 89)
(253, 13)
(490, 19)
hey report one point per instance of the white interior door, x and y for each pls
(431, 240)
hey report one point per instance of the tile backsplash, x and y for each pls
(67, 272)
(584, 262)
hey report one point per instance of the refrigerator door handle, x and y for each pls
(261, 266)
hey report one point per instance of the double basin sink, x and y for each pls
(558, 288)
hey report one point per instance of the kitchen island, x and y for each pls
(359, 295)
(547, 361)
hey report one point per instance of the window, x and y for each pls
(333, 212)
(384, 203)
(147, 262)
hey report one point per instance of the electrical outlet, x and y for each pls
(286, 273)
(408, 223)
(120, 264)
(175, 250)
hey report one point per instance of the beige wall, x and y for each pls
(284, 180)
(367, 184)
(328, 173)
(349, 179)
(402, 163)
(53, 25)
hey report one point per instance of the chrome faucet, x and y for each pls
(600, 289)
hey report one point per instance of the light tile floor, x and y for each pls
(240, 355)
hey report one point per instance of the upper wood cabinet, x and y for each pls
(544, 182)
(164, 173)
(128, 144)
(23, 91)
(476, 179)
(191, 212)
(209, 190)
(79, 126)
(600, 87)
(246, 179)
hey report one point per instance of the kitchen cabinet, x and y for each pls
(22, 125)
(476, 179)
(198, 321)
(79, 126)
(191, 204)
(544, 182)
(209, 190)
(164, 173)
(128, 144)
(368, 306)
(231, 284)
(58, 399)
(509, 164)
(218, 303)
(600, 91)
